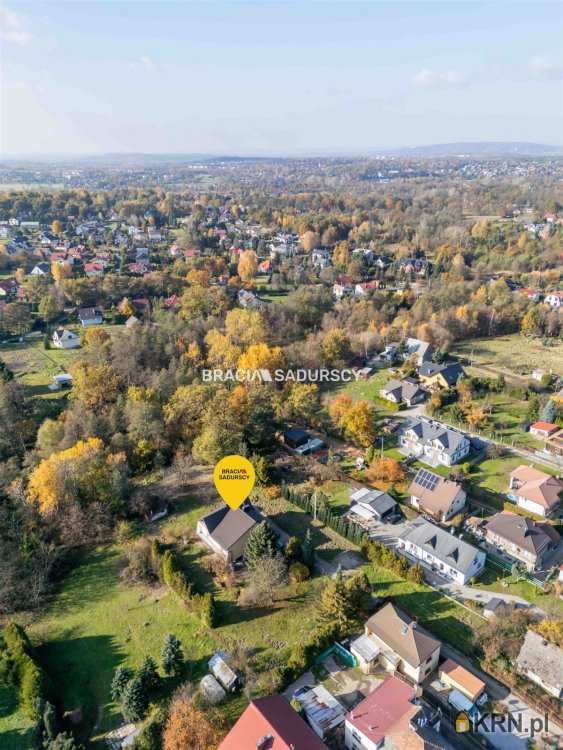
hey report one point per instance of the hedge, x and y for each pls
(23, 668)
(340, 525)
(303, 654)
(173, 576)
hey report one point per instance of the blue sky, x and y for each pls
(276, 78)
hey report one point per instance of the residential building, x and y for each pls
(226, 531)
(40, 269)
(554, 299)
(522, 538)
(459, 678)
(439, 497)
(372, 504)
(324, 713)
(554, 443)
(90, 316)
(392, 716)
(65, 339)
(8, 288)
(542, 662)
(543, 430)
(397, 644)
(268, 724)
(406, 391)
(433, 442)
(497, 607)
(534, 490)
(443, 552)
(439, 376)
(422, 351)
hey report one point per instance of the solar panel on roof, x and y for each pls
(427, 480)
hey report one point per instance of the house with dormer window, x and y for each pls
(433, 442)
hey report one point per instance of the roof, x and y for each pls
(380, 502)
(436, 493)
(537, 486)
(388, 710)
(401, 635)
(271, 716)
(226, 526)
(442, 545)
(544, 426)
(366, 647)
(523, 531)
(404, 389)
(543, 658)
(321, 707)
(427, 431)
(471, 684)
(450, 371)
(87, 313)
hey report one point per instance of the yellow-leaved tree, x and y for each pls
(262, 357)
(85, 473)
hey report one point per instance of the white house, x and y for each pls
(534, 490)
(441, 551)
(554, 299)
(433, 442)
(65, 339)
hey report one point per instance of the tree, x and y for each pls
(50, 723)
(359, 423)
(121, 678)
(261, 543)
(63, 741)
(247, 265)
(309, 241)
(549, 411)
(335, 346)
(245, 327)
(172, 655)
(148, 674)
(264, 578)
(261, 357)
(134, 700)
(335, 605)
(189, 726)
(56, 227)
(5, 373)
(308, 550)
(385, 470)
(48, 308)
(15, 318)
(94, 385)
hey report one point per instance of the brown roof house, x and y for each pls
(534, 490)
(226, 531)
(542, 662)
(441, 498)
(459, 678)
(522, 538)
(396, 642)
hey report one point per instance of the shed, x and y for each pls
(212, 689)
(221, 670)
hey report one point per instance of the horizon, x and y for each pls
(276, 80)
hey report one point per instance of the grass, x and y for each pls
(367, 390)
(16, 730)
(339, 494)
(515, 354)
(34, 366)
(494, 578)
(492, 474)
(446, 619)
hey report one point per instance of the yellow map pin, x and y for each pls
(234, 479)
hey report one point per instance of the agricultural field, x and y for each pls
(513, 355)
(35, 366)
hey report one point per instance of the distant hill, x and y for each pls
(484, 148)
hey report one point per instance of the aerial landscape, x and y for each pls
(281, 376)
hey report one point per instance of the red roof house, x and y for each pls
(271, 724)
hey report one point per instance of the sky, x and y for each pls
(273, 78)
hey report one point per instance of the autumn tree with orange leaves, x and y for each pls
(189, 726)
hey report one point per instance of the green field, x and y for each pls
(515, 354)
(446, 619)
(15, 728)
(35, 366)
(496, 579)
(493, 473)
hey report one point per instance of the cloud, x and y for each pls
(144, 63)
(12, 27)
(543, 67)
(437, 79)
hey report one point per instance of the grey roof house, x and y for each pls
(226, 531)
(432, 442)
(371, 504)
(440, 375)
(522, 538)
(405, 391)
(542, 662)
(441, 551)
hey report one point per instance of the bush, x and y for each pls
(25, 671)
(298, 572)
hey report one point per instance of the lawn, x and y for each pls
(515, 354)
(15, 728)
(494, 578)
(446, 619)
(367, 390)
(96, 623)
(34, 366)
(339, 494)
(492, 474)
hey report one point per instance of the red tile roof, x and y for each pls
(385, 712)
(271, 716)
